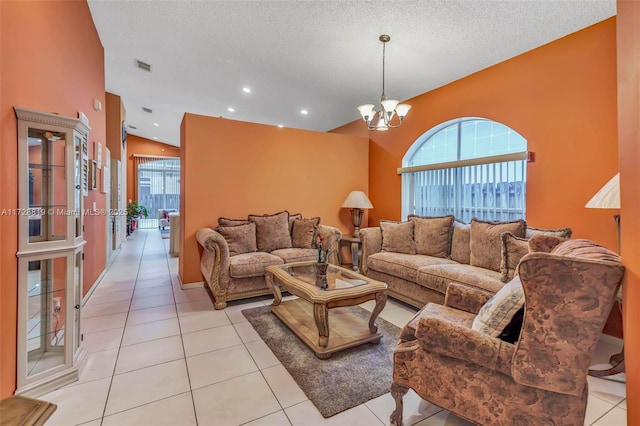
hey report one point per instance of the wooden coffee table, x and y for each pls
(308, 315)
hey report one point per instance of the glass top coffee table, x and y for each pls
(308, 315)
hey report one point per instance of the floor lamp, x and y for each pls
(608, 197)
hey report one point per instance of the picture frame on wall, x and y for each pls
(93, 174)
(106, 180)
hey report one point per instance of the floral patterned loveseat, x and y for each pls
(235, 253)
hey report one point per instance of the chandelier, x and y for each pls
(382, 120)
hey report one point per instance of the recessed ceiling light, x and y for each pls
(156, 124)
(230, 109)
(155, 137)
(246, 90)
(280, 125)
(304, 112)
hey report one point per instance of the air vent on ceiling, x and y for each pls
(149, 110)
(143, 65)
(132, 127)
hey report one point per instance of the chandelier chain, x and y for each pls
(384, 45)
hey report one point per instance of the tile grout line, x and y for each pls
(115, 365)
(184, 352)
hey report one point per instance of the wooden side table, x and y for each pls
(616, 360)
(356, 249)
(21, 411)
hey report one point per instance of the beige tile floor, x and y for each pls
(153, 347)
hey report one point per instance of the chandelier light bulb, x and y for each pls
(388, 107)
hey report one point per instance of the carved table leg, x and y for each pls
(381, 301)
(321, 316)
(397, 392)
(274, 287)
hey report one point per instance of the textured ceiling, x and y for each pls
(322, 56)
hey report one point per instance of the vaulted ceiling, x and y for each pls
(320, 56)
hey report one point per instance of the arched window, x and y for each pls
(467, 167)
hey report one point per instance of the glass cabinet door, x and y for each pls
(47, 186)
(46, 311)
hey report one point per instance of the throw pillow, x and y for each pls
(544, 243)
(240, 238)
(513, 249)
(559, 232)
(303, 233)
(498, 312)
(272, 231)
(223, 221)
(460, 242)
(397, 237)
(432, 235)
(292, 218)
(485, 241)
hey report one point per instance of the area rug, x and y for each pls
(347, 379)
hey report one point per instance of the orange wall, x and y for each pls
(48, 68)
(561, 97)
(114, 116)
(628, 43)
(232, 169)
(143, 146)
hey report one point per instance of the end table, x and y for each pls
(356, 248)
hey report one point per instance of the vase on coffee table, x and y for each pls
(321, 274)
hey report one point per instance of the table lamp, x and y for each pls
(357, 201)
(608, 197)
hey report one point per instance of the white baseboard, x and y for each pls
(93, 286)
(197, 284)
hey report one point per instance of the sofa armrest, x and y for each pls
(437, 335)
(332, 238)
(371, 243)
(214, 261)
(466, 298)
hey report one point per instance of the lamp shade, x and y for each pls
(357, 200)
(608, 197)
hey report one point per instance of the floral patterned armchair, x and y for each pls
(542, 377)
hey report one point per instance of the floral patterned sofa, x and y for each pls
(540, 378)
(420, 257)
(235, 253)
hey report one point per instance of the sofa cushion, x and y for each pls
(272, 231)
(397, 237)
(558, 232)
(303, 232)
(497, 313)
(544, 243)
(435, 310)
(224, 221)
(291, 255)
(439, 276)
(401, 265)
(513, 249)
(432, 235)
(460, 242)
(251, 264)
(240, 238)
(485, 241)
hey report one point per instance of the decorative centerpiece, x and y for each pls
(323, 259)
